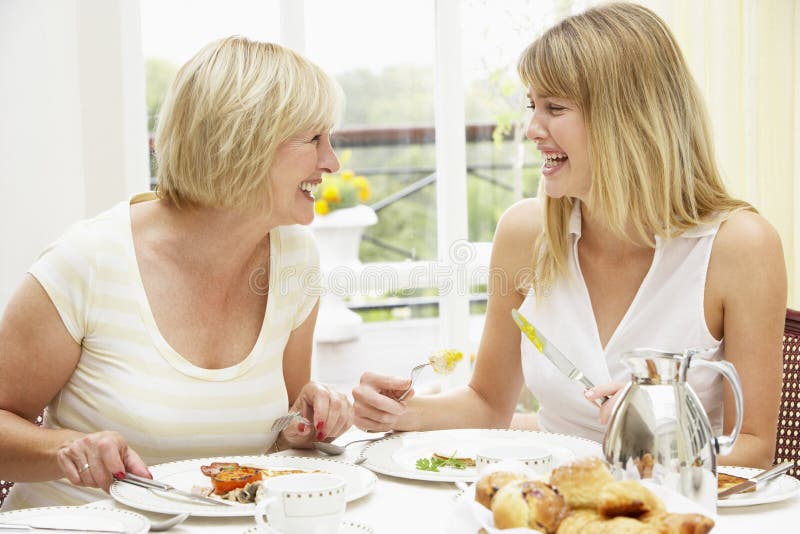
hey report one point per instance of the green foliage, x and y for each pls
(158, 74)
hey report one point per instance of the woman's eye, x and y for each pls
(556, 108)
(316, 138)
(531, 106)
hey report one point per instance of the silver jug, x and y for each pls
(659, 430)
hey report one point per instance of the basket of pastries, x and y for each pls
(581, 497)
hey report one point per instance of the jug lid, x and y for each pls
(655, 366)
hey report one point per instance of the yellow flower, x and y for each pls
(347, 175)
(330, 193)
(321, 207)
(364, 189)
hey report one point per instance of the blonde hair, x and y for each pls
(649, 141)
(228, 110)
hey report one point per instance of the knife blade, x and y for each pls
(28, 527)
(551, 352)
(753, 482)
(155, 485)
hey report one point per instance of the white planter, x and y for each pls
(338, 236)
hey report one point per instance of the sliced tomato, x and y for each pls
(236, 477)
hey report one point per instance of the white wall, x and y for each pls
(73, 137)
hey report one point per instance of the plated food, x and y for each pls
(188, 474)
(581, 497)
(240, 483)
(397, 455)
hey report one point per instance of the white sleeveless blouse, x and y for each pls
(667, 313)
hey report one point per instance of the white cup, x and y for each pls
(306, 503)
(537, 459)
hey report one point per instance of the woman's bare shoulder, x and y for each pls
(747, 250)
(517, 230)
(746, 233)
(521, 223)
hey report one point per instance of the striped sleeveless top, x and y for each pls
(129, 379)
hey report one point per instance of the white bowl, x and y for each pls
(537, 459)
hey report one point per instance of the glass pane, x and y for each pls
(174, 30)
(384, 62)
(503, 166)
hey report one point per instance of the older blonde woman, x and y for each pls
(179, 324)
(632, 242)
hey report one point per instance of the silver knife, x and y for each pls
(155, 485)
(28, 527)
(552, 353)
(757, 480)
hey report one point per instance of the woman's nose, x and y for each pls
(328, 160)
(536, 132)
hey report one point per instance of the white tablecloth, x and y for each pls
(401, 506)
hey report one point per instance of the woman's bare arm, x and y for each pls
(748, 273)
(37, 357)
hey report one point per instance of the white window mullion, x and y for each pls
(451, 179)
(293, 25)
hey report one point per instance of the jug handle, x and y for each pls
(725, 443)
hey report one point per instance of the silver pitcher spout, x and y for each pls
(659, 429)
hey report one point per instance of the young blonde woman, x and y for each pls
(633, 242)
(179, 324)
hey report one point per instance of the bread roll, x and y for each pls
(489, 484)
(528, 503)
(628, 498)
(581, 481)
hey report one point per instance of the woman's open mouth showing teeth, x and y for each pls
(552, 159)
(308, 188)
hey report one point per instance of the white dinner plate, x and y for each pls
(779, 488)
(347, 527)
(96, 518)
(397, 454)
(186, 473)
(469, 516)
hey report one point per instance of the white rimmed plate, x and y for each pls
(96, 518)
(397, 454)
(347, 527)
(469, 516)
(186, 473)
(779, 488)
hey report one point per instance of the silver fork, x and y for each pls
(415, 372)
(282, 422)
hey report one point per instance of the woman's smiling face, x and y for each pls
(558, 129)
(298, 167)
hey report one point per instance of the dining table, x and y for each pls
(398, 505)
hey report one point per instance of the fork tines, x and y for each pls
(285, 420)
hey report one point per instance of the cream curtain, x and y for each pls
(745, 54)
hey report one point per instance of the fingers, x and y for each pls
(329, 412)
(375, 407)
(613, 390)
(391, 386)
(92, 460)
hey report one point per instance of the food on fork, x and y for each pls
(443, 361)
